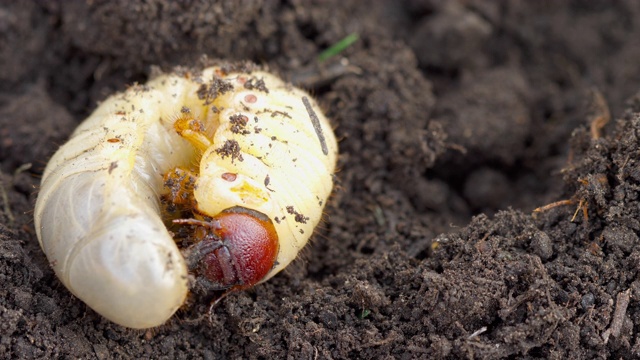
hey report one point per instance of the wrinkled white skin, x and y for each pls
(286, 148)
(97, 216)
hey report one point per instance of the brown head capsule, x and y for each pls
(235, 250)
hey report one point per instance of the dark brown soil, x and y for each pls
(457, 119)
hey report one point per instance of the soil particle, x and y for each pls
(230, 148)
(24, 136)
(488, 116)
(460, 32)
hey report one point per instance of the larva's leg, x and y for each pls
(192, 129)
(180, 183)
(215, 301)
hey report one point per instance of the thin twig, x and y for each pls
(622, 301)
(602, 117)
(477, 332)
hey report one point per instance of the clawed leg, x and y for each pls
(215, 301)
(180, 183)
(191, 128)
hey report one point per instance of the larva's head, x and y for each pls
(237, 248)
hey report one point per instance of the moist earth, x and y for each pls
(457, 120)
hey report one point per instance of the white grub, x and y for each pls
(98, 213)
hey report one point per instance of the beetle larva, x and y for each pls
(249, 155)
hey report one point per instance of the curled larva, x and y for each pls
(210, 180)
